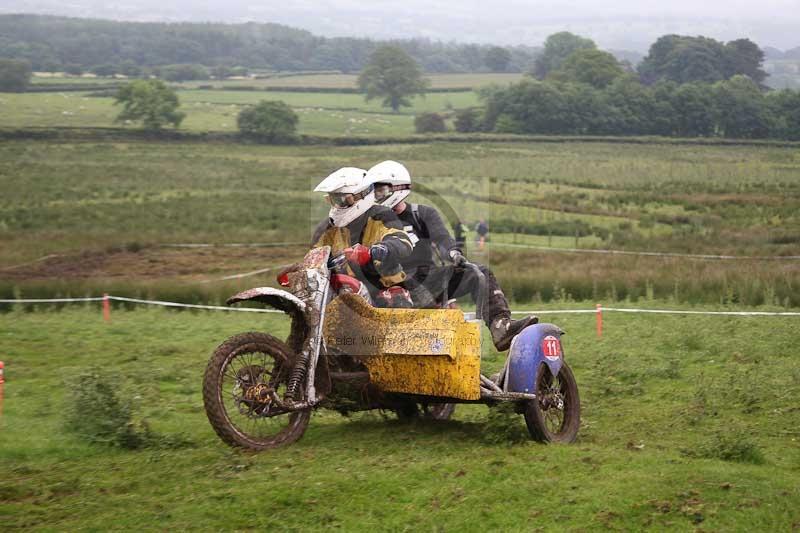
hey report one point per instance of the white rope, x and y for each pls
(660, 311)
(576, 311)
(679, 312)
(45, 258)
(529, 312)
(246, 274)
(49, 300)
(650, 254)
(192, 306)
(233, 245)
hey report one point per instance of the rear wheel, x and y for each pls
(555, 414)
(240, 378)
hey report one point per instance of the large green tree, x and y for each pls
(530, 106)
(557, 48)
(393, 75)
(743, 56)
(149, 101)
(684, 59)
(14, 75)
(269, 121)
(591, 66)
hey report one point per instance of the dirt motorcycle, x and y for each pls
(347, 353)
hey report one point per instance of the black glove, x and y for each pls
(457, 258)
(379, 252)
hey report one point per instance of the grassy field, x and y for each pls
(320, 114)
(216, 110)
(105, 206)
(688, 423)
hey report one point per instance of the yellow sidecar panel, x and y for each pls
(417, 351)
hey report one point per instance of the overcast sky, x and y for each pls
(626, 24)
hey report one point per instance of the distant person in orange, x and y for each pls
(483, 230)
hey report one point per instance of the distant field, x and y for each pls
(46, 79)
(328, 81)
(113, 200)
(687, 423)
(340, 81)
(320, 114)
(430, 102)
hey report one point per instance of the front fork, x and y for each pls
(306, 365)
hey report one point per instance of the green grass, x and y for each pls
(68, 198)
(352, 102)
(673, 410)
(320, 114)
(45, 79)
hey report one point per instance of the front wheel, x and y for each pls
(555, 414)
(240, 377)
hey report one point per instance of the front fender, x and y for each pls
(536, 344)
(275, 298)
(283, 301)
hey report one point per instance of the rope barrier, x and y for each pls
(647, 254)
(233, 245)
(192, 306)
(50, 300)
(687, 312)
(247, 274)
(599, 308)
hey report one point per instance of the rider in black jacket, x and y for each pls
(427, 281)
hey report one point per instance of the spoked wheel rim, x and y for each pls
(248, 378)
(552, 393)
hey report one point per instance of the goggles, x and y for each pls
(385, 190)
(343, 200)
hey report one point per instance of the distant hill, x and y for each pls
(618, 25)
(55, 43)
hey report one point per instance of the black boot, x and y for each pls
(504, 330)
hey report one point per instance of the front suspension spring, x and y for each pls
(297, 376)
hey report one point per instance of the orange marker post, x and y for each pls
(599, 321)
(106, 308)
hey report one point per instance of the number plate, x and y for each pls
(551, 347)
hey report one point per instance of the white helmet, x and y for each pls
(349, 194)
(394, 180)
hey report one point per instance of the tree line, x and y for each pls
(685, 87)
(60, 44)
(733, 108)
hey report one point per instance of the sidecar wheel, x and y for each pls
(555, 416)
(431, 411)
(440, 411)
(237, 373)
